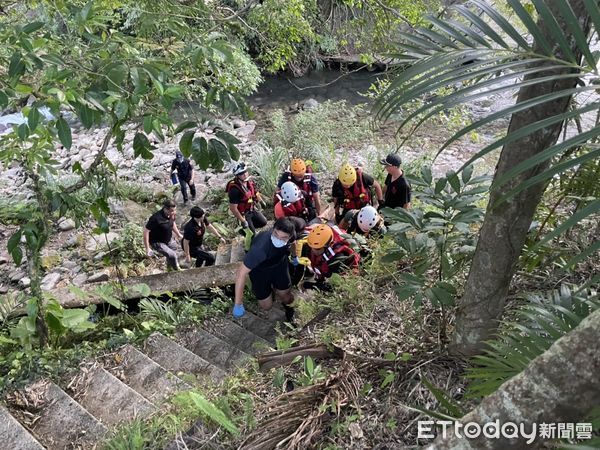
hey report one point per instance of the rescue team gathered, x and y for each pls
(302, 248)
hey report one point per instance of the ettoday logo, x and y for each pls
(508, 430)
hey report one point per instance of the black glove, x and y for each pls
(381, 205)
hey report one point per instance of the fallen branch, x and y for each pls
(279, 358)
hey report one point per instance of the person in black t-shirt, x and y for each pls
(267, 265)
(193, 235)
(185, 173)
(397, 191)
(158, 234)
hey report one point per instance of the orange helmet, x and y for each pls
(319, 236)
(298, 167)
(347, 175)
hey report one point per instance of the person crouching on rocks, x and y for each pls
(193, 235)
(158, 234)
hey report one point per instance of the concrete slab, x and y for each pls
(258, 326)
(60, 421)
(209, 347)
(144, 375)
(13, 435)
(110, 400)
(237, 336)
(178, 359)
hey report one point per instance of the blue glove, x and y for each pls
(295, 261)
(238, 311)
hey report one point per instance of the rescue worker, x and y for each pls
(363, 221)
(193, 235)
(243, 196)
(396, 190)
(328, 253)
(290, 202)
(301, 175)
(158, 234)
(267, 265)
(352, 190)
(185, 173)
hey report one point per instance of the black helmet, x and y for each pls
(391, 160)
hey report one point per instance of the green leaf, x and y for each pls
(184, 126)
(185, 143)
(117, 74)
(33, 118)
(449, 407)
(142, 146)
(3, 100)
(16, 67)
(121, 109)
(440, 185)
(32, 27)
(200, 152)
(454, 181)
(211, 411)
(467, 173)
(14, 247)
(64, 132)
(147, 123)
(23, 131)
(143, 289)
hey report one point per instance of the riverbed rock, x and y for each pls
(238, 123)
(311, 103)
(98, 277)
(50, 281)
(25, 282)
(246, 130)
(3, 289)
(133, 212)
(96, 242)
(80, 279)
(16, 275)
(50, 261)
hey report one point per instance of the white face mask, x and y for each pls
(278, 243)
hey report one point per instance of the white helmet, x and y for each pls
(239, 168)
(367, 218)
(290, 192)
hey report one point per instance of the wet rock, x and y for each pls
(50, 281)
(98, 277)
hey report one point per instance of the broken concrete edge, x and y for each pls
(174, 282)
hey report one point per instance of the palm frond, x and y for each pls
(483, 54)
(8, 305)
(535, 327)
(159, 310)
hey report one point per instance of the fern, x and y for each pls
(158, 310)
(535, 327)
(8, 305)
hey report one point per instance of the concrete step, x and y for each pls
(56, 420)
(13, 435)
(223, 254)
(237, 336)
(110, 400)
(261, 327)
(178, 359)
(211, 348)
(237, 250)
(144, 375)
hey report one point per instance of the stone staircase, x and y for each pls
(128, 384)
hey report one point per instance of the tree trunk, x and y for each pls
(506, 225)
(560, 386)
